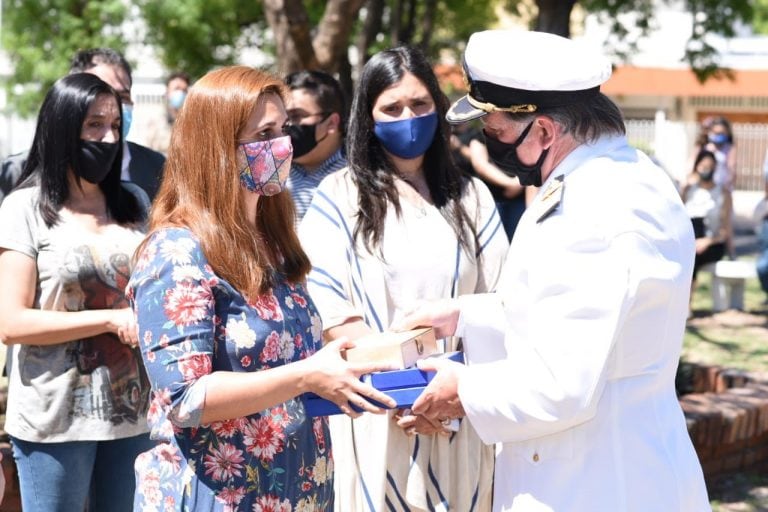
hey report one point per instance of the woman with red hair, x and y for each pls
(228, 333)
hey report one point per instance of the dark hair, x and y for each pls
(324, 88)
(725, 124)
(88, 59)
(183, 75)
(56, 146)
(585, 121)
(704, 153)
(373, 172)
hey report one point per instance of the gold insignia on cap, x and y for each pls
(490, 107)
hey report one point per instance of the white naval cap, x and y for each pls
(525, 71)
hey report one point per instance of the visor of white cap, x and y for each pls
(523, 71)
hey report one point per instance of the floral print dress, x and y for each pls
(192, 323)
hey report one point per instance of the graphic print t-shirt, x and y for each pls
(89, 389)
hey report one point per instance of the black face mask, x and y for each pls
(706, 175)
(96, 159)
(303, 137)
(505, 157)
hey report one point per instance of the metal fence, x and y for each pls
(672, 144)
(669, 142)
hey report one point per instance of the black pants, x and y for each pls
(713, 253)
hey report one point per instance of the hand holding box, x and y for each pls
(400, 349)
(404, 386)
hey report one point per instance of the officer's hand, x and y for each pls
(414, 424)
(442, 315)
(440, 399)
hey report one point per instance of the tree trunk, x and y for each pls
(374, 12)
(290, 25)
(395, 19)
(427, 25)
(334, 33)
(407, 28)
(332, 41)
(345, 80)
(555, 16)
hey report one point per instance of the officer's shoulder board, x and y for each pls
(551, 198)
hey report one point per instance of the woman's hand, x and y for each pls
(333, 378)
(123, 323)
(414, 424)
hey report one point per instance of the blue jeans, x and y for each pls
(762, 259)
(63, 477)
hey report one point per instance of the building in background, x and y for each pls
(664, 103)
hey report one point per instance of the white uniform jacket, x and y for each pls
(574, 358)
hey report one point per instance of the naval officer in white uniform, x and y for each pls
(572, 361)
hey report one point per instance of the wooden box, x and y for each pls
(400, 349)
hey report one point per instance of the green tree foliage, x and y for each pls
(760, 21)
(454, 22)
(41, 36)
(709, 17)
(198, 35)
(631, 20)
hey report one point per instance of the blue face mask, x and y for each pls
(407, 138)
(176, 99)
(127, 118)
(718, 138)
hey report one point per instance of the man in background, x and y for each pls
(141, 165)
(159, 132)
(316, 124)
(762, 259)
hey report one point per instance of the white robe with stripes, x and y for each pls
(378, 467)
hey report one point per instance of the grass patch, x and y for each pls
(733, 339)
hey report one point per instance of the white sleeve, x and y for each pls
(326, 236)
(552, 371)
(482, 326)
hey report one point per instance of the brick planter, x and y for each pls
(726, 411)
(727, 415)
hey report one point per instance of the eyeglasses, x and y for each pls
(298, 117)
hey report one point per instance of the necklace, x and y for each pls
(416, 198)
